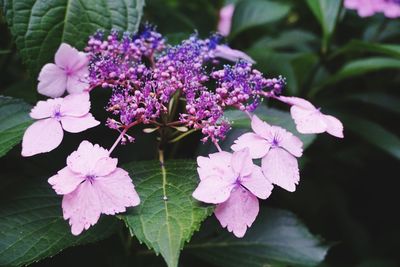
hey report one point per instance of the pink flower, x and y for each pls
(278, 149)
(310, 119)
(70, 113)
(367, 8)
(68, 73)
(233, 182)
(91, 184)
(225, 52)
(225, 19)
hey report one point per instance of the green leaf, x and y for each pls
(277, 238)
(39, 27)
(168, 214)
(382, 100)
(373, 133)
(272, 116)
(32, 226)
(14, 119)
(359, 67)
(361, 46)
(253, 13)
(326, 12)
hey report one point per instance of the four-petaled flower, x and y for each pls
(92, 184)
(310, 119)
(70, 113)
(278, 149)
(233, 182)
(68, 72)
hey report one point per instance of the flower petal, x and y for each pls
(70, 58)
(257, 183)
(297, 101)
(238, 212)
(116, 192)
(257, 145)
(214, 189)
(75, 105)
(42, 136)
(242, 164)
(65, 181)
(225, 19)
(334, 126)
(308, 121)
(85, 158)
(45, 109)
(260, 127)
(225, 52)
(281, 168)
(52, 81)
(82, 207)
(218, 164)
(105, 166)
(76, 84)
(292, 144)
(78, 124)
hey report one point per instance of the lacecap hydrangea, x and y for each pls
(185, 87)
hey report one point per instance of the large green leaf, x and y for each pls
(32, 226)
(277, 238)
(357, 46)
(359, 67)
(378, 99)
(40, 26)
(326, 12)
(373, 133)
(272, 116)
(168, 214)
(253, 13)
(14, 119)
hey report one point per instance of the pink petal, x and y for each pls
(281, 168)
(42, 136)
(70, 59)
(75, 105)
(217, 164)
(242, 164)
(308, 121)
(257, 183)
(52, 81)
(292, 144)
(225, 52)
(116, 192)
(105, 166)
(260, 127)
(297, 101)
(257, 145)
(78, 124)
(65, 181)
(76, 84)
(214, 189)
(334, 126)
(225, 19)
(85, 158)
(238, 212)
(45, 109)
(82, 207)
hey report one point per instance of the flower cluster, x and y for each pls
(367, 8)
(177, 87)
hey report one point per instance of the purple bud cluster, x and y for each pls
(145, 74)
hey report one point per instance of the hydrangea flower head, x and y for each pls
(310, 119)
(278, 149)
(70, 113)
(234, 183)
(68, 73)
(367, 8)
(91, 185)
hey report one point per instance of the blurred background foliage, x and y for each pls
(348, 65)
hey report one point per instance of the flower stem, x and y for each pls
(217, 146)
